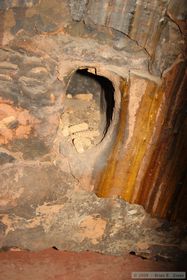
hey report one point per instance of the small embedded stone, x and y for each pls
(69, 96)
(81, 144)
(8, 65)
(9, 122)
(91, 134)
(38, 70)
(5, 77)
(78, 145)
(78, 127)
(65, 131)
(84, 96)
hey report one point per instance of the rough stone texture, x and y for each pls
(170, 45)
(142, 21)
(27, 75)
(34, 79)
(17, 3)
(28, 90)
(39, 212)
(46, 197)
(77, 9)
(159, 169)
(110, 14)
(177, 9)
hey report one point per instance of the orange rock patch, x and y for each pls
(15, 123)
(92, 228)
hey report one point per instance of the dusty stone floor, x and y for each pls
(51, 264)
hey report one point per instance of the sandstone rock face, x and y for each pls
(77, 9)
(42, 212)
(59, 145)
(142, 21)
(18, 4)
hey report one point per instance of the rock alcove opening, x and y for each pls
(88, 109)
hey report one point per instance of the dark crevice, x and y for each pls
(55, 248)
(102, 89)
(133, 253)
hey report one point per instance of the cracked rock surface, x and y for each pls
(43, 200)
(38, 211)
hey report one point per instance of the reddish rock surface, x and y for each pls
(48, 177)
(15, 123)
(58, 265)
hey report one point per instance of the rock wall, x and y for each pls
(47, 192)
